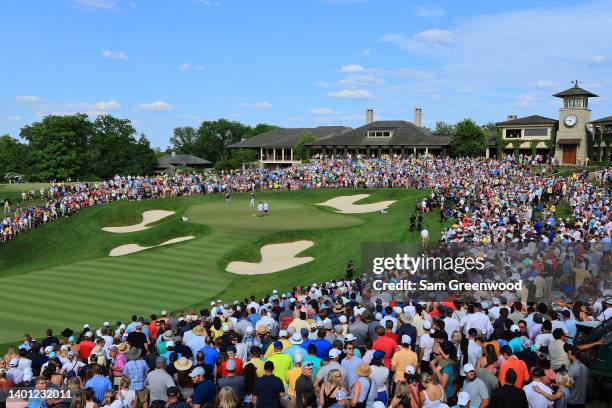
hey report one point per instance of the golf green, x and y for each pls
(60, 275)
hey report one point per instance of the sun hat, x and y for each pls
(338, 308)
(198, 330)
(196, 371)
(168, 335)
(123, 347)
(363, 370)
(262, 329)
(296, 338)
(463, 398)
(183, 364)
(133, 353)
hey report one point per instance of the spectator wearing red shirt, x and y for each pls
(519, 367)
(385, 344)
(85, 346)
(232, 357)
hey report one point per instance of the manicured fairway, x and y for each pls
(60, 275)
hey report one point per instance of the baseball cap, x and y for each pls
(248, 330)
(172, 391)
(89, 334)
(307, 366)
(426, 324)
(463, 398)
(378, 404)
(334, 353)
(379, 354)
(514, 328)
(468, 367)
(410, 370)
(406, 339)
(278, 345)
(196, 371)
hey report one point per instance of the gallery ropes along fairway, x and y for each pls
(68, 278)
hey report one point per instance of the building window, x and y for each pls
(379, 133)
(576, 103)
(513, 133)
(536, 132)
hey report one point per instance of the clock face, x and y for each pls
(570, 120)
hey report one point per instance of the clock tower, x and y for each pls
(573, 118)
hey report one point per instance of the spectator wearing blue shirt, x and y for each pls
(98, 383)
(203, 389)
(211, 354)
(323, 346)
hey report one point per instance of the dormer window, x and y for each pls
(379, 133)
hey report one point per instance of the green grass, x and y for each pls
(59, 275)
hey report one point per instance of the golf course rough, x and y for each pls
(60, 275)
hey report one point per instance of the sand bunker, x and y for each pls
(148, 217)
(133, 248)
(274, 258)
(344, 204)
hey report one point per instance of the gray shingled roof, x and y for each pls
(289, 137)
(602, 120)
(404, 134)
(575, 91)
(528, 120)
(180, 160)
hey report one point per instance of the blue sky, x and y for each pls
(298, 63)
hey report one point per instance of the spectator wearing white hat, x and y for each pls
(426, 344)
(403, 358)
(296, 341)
(475, 387)
(332, 364)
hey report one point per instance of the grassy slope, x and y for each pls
(67, 259)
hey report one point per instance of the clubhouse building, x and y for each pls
(573, 137)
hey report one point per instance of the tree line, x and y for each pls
(73, 147)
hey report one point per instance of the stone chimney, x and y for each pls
(510, 117)
(418, 116)
(369, 116)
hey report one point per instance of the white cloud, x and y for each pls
(546, 84)
(154, 106)
(117, 55)
(185, 66)
(351, 94)
(97, 4)
(110, 105)
(258, 105)
(27, 98)
(324, 111)
(526, 101)
(351, 68)
(435, 36)
(360, 80)
(429, 12)
(423, 41)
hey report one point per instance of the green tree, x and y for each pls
(13, 156)
(260, 128)
(215, 137)
(58, 146)
(184, 140)
(468, 139)
(444, 128)
(301, 151)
